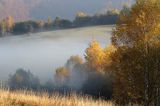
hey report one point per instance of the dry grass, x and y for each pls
(24, 98)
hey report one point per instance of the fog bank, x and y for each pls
(43, 52)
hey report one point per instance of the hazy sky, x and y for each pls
(68, 8)
(42, 9)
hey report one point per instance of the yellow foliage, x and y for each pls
(99, 58)
(62, 72)
(81, 14)
(109, 50)
(142, 24)
(137, 39)
(41, 23)
(61, 75)
(95, 56)
(9, 22)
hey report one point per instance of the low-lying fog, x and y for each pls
(42, 53)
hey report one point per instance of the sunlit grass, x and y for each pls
(25, 98)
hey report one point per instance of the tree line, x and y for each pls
(8, 26)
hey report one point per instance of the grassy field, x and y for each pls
(24, 98)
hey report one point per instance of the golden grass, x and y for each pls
(25, 98)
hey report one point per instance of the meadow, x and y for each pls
(29, 98)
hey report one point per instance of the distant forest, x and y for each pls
(9, 27)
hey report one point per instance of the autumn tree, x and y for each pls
(73, 61)
(23, 79)
(99, 58)
(136, 61)
(41, 24)
(6, 25)
(3, 26)
(9, 23)
(95, 56)
(108, 51)
(49, 23)
(100, 78)
(61, 76)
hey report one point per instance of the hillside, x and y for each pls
(24, 98)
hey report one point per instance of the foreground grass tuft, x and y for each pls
(25, 98)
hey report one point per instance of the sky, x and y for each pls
(69, 8)
(42, 9)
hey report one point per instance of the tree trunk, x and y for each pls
(146, 75)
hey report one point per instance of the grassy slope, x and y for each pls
(24, 98)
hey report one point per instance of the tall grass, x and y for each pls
(25, 98)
